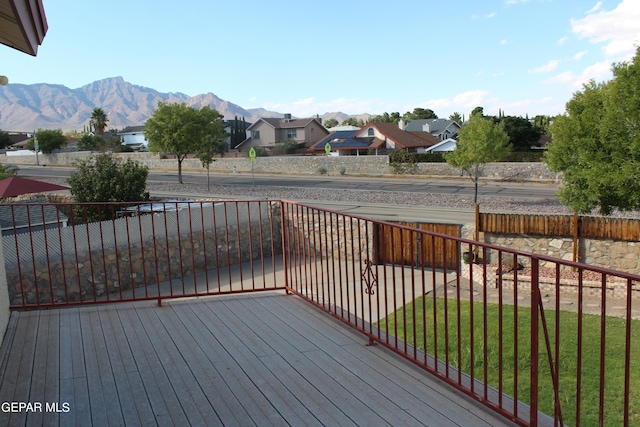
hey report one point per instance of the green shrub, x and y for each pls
(322, 170)
(342, 170)
(402, 162)
(403, 157)
(525, 156)
(288, 146)
(104, 178)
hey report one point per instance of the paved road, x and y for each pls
(400, 184)
(370, 210)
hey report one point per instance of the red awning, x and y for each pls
(15, 186)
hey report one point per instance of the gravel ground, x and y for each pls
(487, 203)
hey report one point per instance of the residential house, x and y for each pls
(376, 138)
(441, 128)
(133, 136)
(266, 132)
(17, 141)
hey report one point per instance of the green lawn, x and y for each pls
(519, 364)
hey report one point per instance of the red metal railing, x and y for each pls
(540, 340)
(63, 254)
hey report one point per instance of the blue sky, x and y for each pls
(304, 58)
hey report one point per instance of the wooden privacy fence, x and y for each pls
(561, 225)
(401, 246)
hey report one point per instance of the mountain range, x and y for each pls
(26, 108)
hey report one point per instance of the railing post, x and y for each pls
(285, 248)
(535, 304)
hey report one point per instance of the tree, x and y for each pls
(420, 114)
(5, 141)
(352, 121)
(456, 117)
(212, 145)
(522, 133)
(543, 123)
(238, 131)
(480, 141)
(596, 144)
(386, 118)
(181, 130)
(104, 178)
(478, 111)
(87, 142)
(330, 123)
(99, 121)
(48, 140)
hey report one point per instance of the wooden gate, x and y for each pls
(408, 247)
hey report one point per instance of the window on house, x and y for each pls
(292, 133)
(255, 134)
(370, 132)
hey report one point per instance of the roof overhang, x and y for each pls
(23, 24)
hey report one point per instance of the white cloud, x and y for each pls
(595, 8)
(461, 102)
(565, 77)
(599, 71)
(309, 107)
(549, 66)
(486, 16)
(563, 40)
(503, 41)
(619, 28)
(578, 56)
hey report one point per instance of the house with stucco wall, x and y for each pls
(267, 132)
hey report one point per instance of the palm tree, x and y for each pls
(99, 120)
(456, 117)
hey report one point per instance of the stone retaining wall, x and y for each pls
(329, 237)
(616, 255)
(303, 165)
(91, 275)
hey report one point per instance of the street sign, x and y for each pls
(252, 154)
(327, 148)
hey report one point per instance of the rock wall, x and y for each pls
(100, 271)
(303, 165)
(615, 255)
(331, 237)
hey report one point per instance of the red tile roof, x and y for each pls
(403, 138)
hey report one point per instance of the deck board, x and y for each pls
(258, 359)
(165, 407)
(220, 403)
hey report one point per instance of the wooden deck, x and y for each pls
(255, 359)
